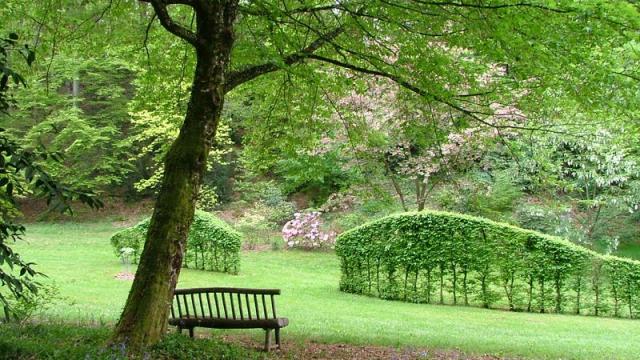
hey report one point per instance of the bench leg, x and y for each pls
(191, 332)
(267, 340)
(278, 338)
(180, 330)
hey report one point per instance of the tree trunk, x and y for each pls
(397, 187)
(419, 193)
(144, 318)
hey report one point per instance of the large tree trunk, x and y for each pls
(144, 318)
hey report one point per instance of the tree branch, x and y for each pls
(146, 38)
(630, 76)
(476, 5)
(298, 10)
(249, 73)
(160, 7)
(415, 89)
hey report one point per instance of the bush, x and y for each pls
(268, 200)
(278, 214)
(537, 217)
(304, 231)
(451, 258)
(252, 190)
(212, 244)
(255, 225)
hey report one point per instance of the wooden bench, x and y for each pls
(227, 308)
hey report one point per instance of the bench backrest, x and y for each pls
(224, 303)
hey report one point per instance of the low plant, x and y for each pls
(30, 304)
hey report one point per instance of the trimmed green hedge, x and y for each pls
(212, 244)
(440, 257)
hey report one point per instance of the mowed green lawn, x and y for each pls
(79, 259)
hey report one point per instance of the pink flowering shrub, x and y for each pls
(304, 231)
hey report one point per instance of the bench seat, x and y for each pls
(220, 323)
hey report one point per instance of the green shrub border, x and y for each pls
(442, 257)
(212, 243)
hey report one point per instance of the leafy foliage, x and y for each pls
(80, 112)
(452, 258)
(20, 174)
(31, 304)
(212, 244)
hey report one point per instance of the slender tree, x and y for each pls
(434, 49)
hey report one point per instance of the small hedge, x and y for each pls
(212, 244)
(439, 257)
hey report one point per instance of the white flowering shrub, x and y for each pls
(305, 231)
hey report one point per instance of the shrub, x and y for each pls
(537, 217)
(452, 258)
(278, 214)
(252, 190)
(268, 200)
(212, 244)
(305, 232)
(255, 225)
(132, 238)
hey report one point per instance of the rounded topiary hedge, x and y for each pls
(212, 244)
(440, 257)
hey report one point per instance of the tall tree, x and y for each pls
(437, 50)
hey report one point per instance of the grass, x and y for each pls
(79, 259)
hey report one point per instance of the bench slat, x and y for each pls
(195, 309)
(246, 298)
(233, 308)
(228, 290)
(240, 306)
(179, 307)
(273, 307)
(186, 305)
(202, 313)
(215, 298)
(224, 305)
(264, 307)
(209, 304)
(255, 302)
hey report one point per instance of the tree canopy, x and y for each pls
(146, 95)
